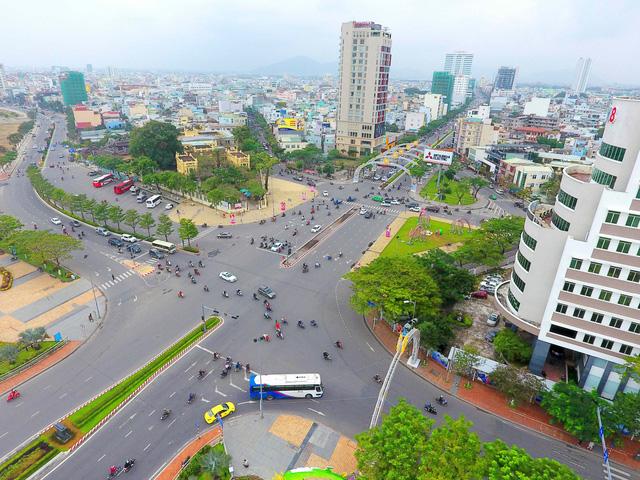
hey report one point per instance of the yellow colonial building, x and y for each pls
(239, 159)
(186, 163)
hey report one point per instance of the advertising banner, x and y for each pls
(438, 156)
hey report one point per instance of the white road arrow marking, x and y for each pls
(319, 413)
(235, 386)
(135, 299)
(205, 400)
(205, 349)
(250, 401)
(219, 392)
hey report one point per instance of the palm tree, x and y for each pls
(9, 353)
(216, 462)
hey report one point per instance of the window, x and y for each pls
(634, 276)
(603, 243)
(561, 308)
(615, 322)
(605, 295)
(625, 349)
(638, 194)
(614, 272)
(569, 286)
(603, 178)
(567, 200)
(526, 264)
(625, 300)
(565, 332)
(612, 217)
(608, 344)
(576, 264)
(586, 291)
(518, 281)
(634, 327)
(597, 317)
(513, 301)
(594, 267)
(633, 220)
(579, 312)
(559, 222)
(623, 247)
(611, 152)
(588, 339)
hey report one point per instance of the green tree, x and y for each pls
(576, 409)
(157, 141)
(116, 215)
(216, 463)
(142, 166)
(475, 251)
(394, 451)
(434, 332)
(328, 169)
(32, 337)
(165, 226)
(89, 206)
(147, 221)
(132, 219)
(516, 385)
(418, 171)
(9, 226)
(462, 189)
(625, 410)
(454, 283)
(265, 166)
(14, 138)
(511, 345)
(187, 230)
(392, 128)
(452, 451)
(476, 184)
(388, 282)
(9, 353)
(101, 213)
(467, 360)
(45, 245)
(551, 188)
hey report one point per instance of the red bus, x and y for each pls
(124, 186)
(103, 180)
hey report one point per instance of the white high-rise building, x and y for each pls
(581, 75)
(575, 284)
(365, 60)
(458, 63)
(3, 80)
(112, 72)
(433, 102)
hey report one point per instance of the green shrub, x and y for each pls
(512, 346)
(191, 249)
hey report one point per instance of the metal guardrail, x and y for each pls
(34, 360)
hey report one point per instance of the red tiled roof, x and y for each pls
(83, 124)
(531, 129)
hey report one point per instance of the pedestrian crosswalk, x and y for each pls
(616, 473)
(378, 208)
(115, 279)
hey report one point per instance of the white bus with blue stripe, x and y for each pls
(302, 385)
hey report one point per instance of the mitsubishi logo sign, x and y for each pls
(438, 156)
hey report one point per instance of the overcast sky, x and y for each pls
(238, 35)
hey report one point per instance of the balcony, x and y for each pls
(505, 311)
(540, 213)
(580, 173)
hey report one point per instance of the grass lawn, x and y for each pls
(433, 241)
(431, 190)
(25, 356)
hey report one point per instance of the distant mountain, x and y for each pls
(299, 66)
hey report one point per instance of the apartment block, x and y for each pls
(365, 60)
(576, 280)
(474, 132)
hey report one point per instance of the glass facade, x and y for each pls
(559, 222)
(529, 241)
(567, 200)
(611, 152)
(603, 178)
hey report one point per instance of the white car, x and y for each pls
(385, 203)
(56, 221)
(277, 247)
(103, 231)
(169, 206)
(363, 211)
(394, 202)
(228, 277)
(128, 238)
(325, 193)
(415, 209)
(316, 228)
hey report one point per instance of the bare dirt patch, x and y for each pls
(479, 310)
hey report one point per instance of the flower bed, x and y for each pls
(7, 279)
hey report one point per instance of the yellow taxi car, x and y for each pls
(223, 410)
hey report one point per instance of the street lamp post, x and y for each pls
(397, 241)
(93, 290)
(258, 340)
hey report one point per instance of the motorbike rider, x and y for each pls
(325, 354)
(201, 373)
(128, 464)
(224, 293)
(180, 294)
(113, 470)
(238, 291)
(377, 378)
(200, 264)
(255, 296)
(300, 324)
(338, 344)
(166, 412)
(247, 368)
(206, 289)
(192, 396)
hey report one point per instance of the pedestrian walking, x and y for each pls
(580, 442)
(90, 318)
(591, 445)
(245, 463)
(113, 277)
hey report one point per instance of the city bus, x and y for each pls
(154, 201)
(103, 180)
(163, 246)
(124, 186)
(302, 385)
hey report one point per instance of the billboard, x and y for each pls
(438, 156)
(290, 124)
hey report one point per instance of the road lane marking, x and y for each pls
(64, 395)
(146, 447)
(102, 457)
(241, 403)
(47, 387)
(3, 434)
(190, 367)
(318, 412)
(205, 400)
(172, 394)
(205, 349)
(19, 404)
(130, 431)
(369, 346)
(158, 471)
(88, 379)
(152, 413)
(218, 391)
(35, 414)
(174, 421)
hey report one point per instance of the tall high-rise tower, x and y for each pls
(89, 68)
(505, 79)
(73, 88)
(112, 72)
(581, 75)
(3, 81)
(458, 63)
(365, 59)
